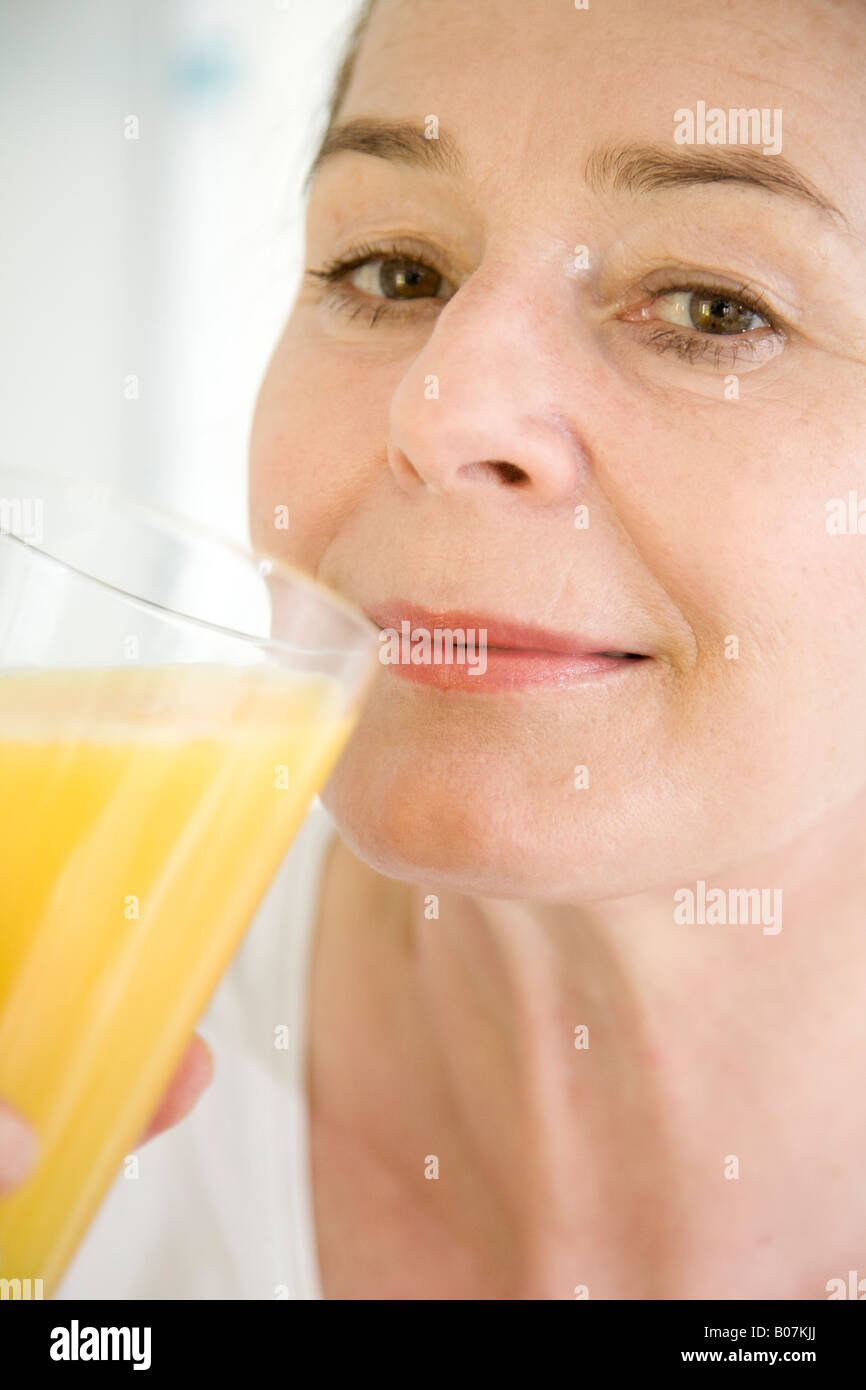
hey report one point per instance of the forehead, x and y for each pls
(530, 87)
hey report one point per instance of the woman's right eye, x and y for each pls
(390, 277)
(388, 274)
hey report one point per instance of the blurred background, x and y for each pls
(151, 162)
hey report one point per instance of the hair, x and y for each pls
(347, 64)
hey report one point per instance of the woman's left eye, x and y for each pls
(707, 312)
(709, 325)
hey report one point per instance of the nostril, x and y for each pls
(510, 473)
(494, 470)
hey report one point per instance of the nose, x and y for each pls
(483, 405)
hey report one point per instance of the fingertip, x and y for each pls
(18, 1147)
(208, 1052)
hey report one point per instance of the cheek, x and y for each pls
(727, 505)
(316, 446)
(736, 530)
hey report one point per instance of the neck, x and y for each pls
(635, 1064)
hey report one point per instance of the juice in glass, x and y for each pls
(143, 812)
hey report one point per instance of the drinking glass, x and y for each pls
(170, 703)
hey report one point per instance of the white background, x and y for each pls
(173, 257)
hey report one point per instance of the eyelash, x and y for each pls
(695, 346)
(334, 272)
(688, 346)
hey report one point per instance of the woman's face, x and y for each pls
(694, 377)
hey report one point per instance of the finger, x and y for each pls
(18, 1147)
(193, 1076)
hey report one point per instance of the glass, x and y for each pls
(169, 705)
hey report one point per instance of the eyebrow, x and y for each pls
(399, 141)
(617, 169)
(648, 168)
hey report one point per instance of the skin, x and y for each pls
(18, 1143)
(602, 1168)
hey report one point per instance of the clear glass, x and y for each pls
(169, 705)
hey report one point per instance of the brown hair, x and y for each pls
(344, 74)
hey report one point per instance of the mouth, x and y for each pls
(459, 650)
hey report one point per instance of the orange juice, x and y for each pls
(143, 813)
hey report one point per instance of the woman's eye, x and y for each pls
(707, 312)
(391, 277)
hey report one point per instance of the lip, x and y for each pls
(517, 655)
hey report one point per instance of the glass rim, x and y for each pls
(260, 561)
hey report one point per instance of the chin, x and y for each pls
(453, 792)
(489, 814)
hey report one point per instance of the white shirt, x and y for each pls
(222, 1205)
